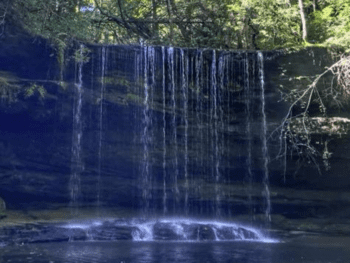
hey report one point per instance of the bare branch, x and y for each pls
(300, 139)
(2, 18)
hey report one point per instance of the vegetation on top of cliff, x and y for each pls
(225, 24)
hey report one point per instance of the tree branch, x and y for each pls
(341, 70)
(2, 17)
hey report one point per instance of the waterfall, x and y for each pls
(77, 166)
(265, 153)
(200, 131)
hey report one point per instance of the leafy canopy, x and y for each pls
(228, 24)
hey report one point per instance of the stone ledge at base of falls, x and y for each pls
(136, 230)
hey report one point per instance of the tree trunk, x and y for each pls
(303, 20)
(170, 21)
(154, 15)
(314, 5)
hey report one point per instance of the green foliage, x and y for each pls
(34, 88)
(331, 24)
(9, 89)
(225, 24)
(122, 81)
(63, 85)
(60, 43)
(81, 55)
(134, 98)
(279, 25)
(52, 18)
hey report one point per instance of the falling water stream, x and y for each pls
(102, 90)
(184, 90)
(146, 137)
(171, 70)
(77, 163)
(249, 173)
(164, 136)
(264, 139)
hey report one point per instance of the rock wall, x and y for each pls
(36, 135)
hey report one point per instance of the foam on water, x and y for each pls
(86, 224)
(172, 229)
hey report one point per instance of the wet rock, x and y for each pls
(48, 234)
(205, 232)
(111, 232)
(164, 231)
(2, 205)
(229, 233)
(37, 233)
(76, 234)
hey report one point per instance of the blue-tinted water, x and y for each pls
(310, 250)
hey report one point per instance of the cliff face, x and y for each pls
(141, 145)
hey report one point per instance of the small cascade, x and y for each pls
(77, 165)
(264, 139)
(143, 232)
(176, 229)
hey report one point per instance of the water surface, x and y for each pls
(310, 249)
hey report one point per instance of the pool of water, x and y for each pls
(301, 249)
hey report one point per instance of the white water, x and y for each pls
(175, 229)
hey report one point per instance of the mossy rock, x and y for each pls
(2, 208)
